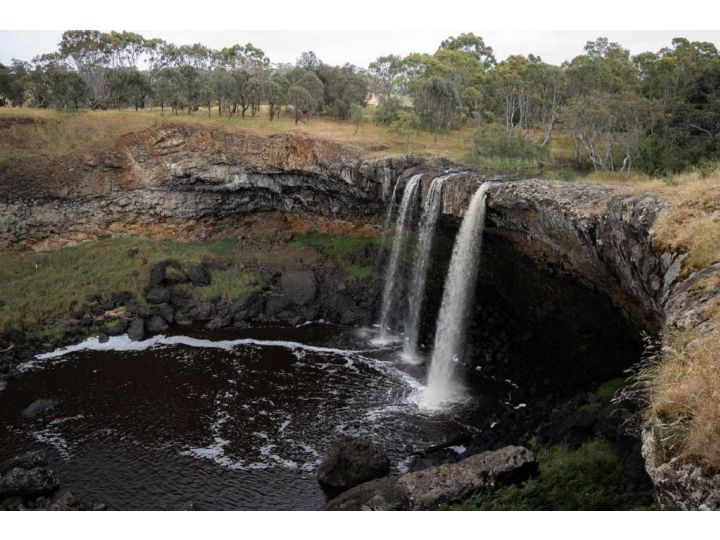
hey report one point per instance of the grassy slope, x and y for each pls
(30, 146)
(37, 289)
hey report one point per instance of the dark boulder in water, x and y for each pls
(156, 325)
(21, 482)
(351, 461)
(38, 407)
(136, 330)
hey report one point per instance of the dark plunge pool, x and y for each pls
(225, 420)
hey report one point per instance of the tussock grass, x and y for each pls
(681, 385)
(693, 224)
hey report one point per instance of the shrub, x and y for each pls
(593, 477)
(387, 110)
(493, 140)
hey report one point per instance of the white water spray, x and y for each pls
(443, 388)
(416, 292)
(393, 275)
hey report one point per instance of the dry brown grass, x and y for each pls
(693, 223)
(685, 398)
(53, 135)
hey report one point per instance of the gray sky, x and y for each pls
(362, 47)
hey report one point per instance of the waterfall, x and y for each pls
(442, 387)
(386, 223)
(416, 292)
(393, 276)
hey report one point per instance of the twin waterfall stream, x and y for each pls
(404, 292)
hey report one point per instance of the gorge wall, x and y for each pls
(180, 182)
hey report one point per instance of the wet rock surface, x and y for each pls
(351, 461)
(432, 487)
(38, 407)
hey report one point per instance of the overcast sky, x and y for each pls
(362, 47)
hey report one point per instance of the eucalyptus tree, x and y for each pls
(473, 45)
(549, 86)
(608, 127)
(274, 97)
(308, 60)
(343, 87)
(14, 82)
(90, 52)
(302, 101)
(386, 84)
(685, 80)
(606, 67)
(127, 48)
(169, 88)
(67, 88)
(437, 102)
(357, 115)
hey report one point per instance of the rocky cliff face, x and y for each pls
(163, 179)
(184, 182)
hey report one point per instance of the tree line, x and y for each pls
(656, 111)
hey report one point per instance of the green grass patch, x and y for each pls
(226, 284)
(593, 477)
(503, 164)
(38, 288)
(359, 272)
(566, 175)
(338, 246)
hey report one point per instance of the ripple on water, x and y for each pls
(226, 421)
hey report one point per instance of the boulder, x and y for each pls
(165, 311)
(136, 330)
(19, 482)
(300, 286)
(157, 274)
(198, 274)
(200, 310)
(28, 460)
(156, 325)
(174, 274)
(247, 306)
(351, 461)
(430, 488)
(276, 304)
(157, 295)
(379, 494)
(38, 407)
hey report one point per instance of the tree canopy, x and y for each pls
(659, 111)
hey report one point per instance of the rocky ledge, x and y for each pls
(433, 487)
(184, 182)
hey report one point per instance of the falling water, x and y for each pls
(442, 387)
(386, 223)
(416, 293)
(393, 275)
